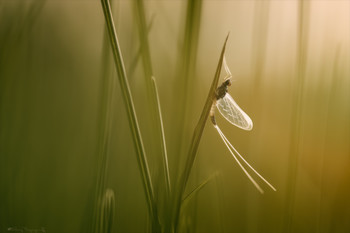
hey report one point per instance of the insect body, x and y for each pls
(236, 116)
(229, 108)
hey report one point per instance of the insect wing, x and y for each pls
(233, 113)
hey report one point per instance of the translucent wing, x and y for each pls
(233, 113)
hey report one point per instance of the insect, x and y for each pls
(230, 110)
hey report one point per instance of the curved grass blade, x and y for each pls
(163, 144)
(135, 61)
(151, 84)
(144, 43)
(304, 11)
(197, 134)
(185, 72)
(107, 212)
(201, 123)
(198, 188)
(104, 119)
(133, 123)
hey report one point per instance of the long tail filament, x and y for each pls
(229, 146)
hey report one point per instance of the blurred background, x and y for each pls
(64, 130)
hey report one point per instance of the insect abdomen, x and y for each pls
(212, 116)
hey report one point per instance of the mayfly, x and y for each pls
(230, 110)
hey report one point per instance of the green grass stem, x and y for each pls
(106, 95)
(144, 43)
(220, 199)
(152, 87)
(133, 123)
(196, 138)
(189, 196)
(323, 157)
(163, 142)
(186, 63)
(135, 61)
(302, 42)
(107, 212)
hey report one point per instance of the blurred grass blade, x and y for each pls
(163, 144)
(134, 62)
(152, 91)
(330, 110)
(189, 49)
(107, 212)
(133, 123)
(104, 120)
(197, 137)
(144, 43)
(296, 116)
(185, 76)
(220, 201)
(190, 208)
(198, 188)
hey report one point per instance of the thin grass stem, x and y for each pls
(106, 95)
(328, 126)
(152, 87)
(144, 43)
(197, 134)
(220, 200)
(107, 212)
(198, 188)
(185, 74)
(163, 142)
(296, 116)
(135, 61)
(133, 123)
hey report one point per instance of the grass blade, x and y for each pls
(201, 123)
(185, 74)
(133, 123)
(163, 144)
(198, 188)
(297, 106)
(107, 212)
(197, 137)
(135, 61)
(151, 86)
(104, 120)
(144, 44)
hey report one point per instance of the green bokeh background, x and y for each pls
(290, 64)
